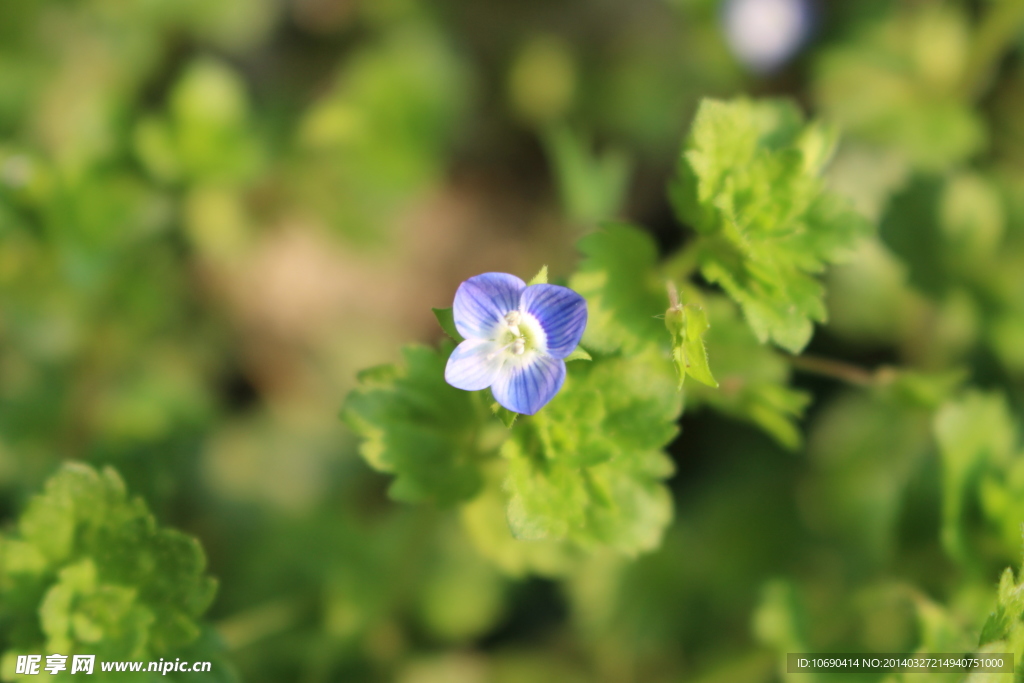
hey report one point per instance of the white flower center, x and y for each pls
(512, 319)
(518, 340)
(520, 335)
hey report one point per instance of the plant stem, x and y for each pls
(845, 372)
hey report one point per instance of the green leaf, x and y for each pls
(414, 425)
(753, 380)
(507, 417)
(1009, 610)
(687, 325)
(541, 278)
(971, 431)
(105, 578)
(485, 520)
(592, 187)
(579, 353)
(748, 182)
(446, 319)
(624, 294)
(587, 470)
(1003, 631)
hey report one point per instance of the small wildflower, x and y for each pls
(764, 34)
(516, 339)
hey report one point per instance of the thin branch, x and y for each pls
(842, 371)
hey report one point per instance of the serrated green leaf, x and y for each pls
(1009, 609)
(446, 319)
(587, 469)
(414, 425)
(111, 582)
(748, 182)
(753, 380)
(1003, 631)
(624, 294)
(485, 519)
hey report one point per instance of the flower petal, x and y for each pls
(473, 365)
(562, 314)
(526, 388)
(482, 301)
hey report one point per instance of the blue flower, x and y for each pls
(516, 339)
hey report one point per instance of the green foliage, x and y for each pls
(587, 469)
(205, 135)
(486, 523)
(415, 425)
(618, 279)
(977, 437)
(592, 186)
(1003, 631)
(917, 102)
(213, 212)
(446, 319)
(749, 183)
(972, 432)
(687, 325)
(378, 137)
(946, 229)
(753, 381)
(106, 580)
(866, 449)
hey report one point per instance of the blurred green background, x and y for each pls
(213, 213)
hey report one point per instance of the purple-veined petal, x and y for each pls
(526, 387)
(474, 365)
(562, 314)
(482, 301)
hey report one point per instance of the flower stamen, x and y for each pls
(512, 319)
